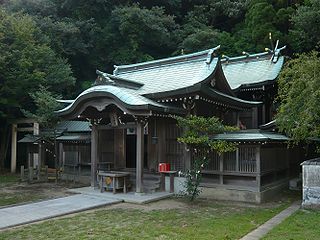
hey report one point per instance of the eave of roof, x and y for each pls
(252, 135)
(29, 138)
(126, 97)
(74, 138)
(234, 101)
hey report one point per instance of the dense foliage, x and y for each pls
(26, 62)
(299, 94)
(95, 34)
(197, 135)
(59, 43)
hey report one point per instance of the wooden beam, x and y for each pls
(94, 155)
(140, 157)
(25, 129)
(25, 120)
(124, 126)
(14, 148)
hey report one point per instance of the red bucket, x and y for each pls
(164, 167)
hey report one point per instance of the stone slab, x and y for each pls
(129, 197)
(33, 212)
(267, 226)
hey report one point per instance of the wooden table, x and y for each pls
(116, 180)
(163, 180)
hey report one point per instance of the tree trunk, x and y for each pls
(4, 144)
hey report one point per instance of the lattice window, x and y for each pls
(242, 160)
(230, 161)
(71, 158)
(247, 159)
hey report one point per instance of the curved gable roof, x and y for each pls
(123, 97)
(254, 70)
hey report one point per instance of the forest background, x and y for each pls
(55, 46)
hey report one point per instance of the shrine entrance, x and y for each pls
(131, 150)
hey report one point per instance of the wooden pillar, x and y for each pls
(263, 114)
(35, 128)
(255, 117)
(221, 169)
(14, 148)
(40, 154)
(119, 148)
(94, 155)
(258, 169)
(237, 119)
(140, 156)
(61, 150)
(237, 160)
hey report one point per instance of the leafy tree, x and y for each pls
(137, 34)
(46, 104)
(204, 39)
(197, 136)
(305, 34)
(260, 20)
(72, 39)
(299, 94)
(26, 62)
(222, 14)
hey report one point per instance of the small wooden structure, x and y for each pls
(113, 180)
(73, 149)
(22, 125)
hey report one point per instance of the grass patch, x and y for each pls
(12, 191)
(8, 179)
(202, 220)
(15, 198)
(301, 225)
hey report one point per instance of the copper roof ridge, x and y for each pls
(256, 57)
(165, 61)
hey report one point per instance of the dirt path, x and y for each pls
(19, 193)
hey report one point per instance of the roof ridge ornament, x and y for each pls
(275, 50)
(103, 79)
(212, 54)
(246, 54)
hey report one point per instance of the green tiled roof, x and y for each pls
(251, 135)
(136, 86)
(251, 71)
(29, 138)
(170, 73)
(74, 126)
